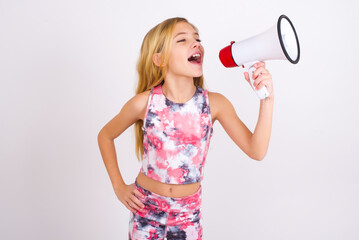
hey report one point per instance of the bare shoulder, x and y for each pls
(216, 97)
(133, 110)
(138, 103)
(218, 102)
(140, 98)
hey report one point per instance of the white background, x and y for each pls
(67, 68)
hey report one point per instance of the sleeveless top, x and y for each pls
(176, 137)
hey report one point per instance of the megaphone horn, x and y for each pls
(279, 42)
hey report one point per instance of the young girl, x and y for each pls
(174, 118)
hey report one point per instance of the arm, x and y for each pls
(132, 111)
(262, 132)
(255, 144)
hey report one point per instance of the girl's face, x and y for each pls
(186, 54)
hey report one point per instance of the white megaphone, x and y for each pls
(278, 42)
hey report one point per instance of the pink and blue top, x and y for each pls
(176, 137)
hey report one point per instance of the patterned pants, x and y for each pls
(167, 218)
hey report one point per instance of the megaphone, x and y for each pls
(279, 42)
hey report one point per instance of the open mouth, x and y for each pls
(195, 58)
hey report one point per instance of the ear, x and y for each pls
(156, 58)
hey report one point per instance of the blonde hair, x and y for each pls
(157, 40)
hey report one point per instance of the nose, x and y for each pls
(196, 44)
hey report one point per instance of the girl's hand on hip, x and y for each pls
(130, 196)
(261, 77)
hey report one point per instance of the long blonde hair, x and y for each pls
(157, 40)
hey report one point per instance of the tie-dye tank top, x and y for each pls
(176, 137)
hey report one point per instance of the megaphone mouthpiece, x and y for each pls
(225, 55)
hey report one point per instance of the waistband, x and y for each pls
(164, 203)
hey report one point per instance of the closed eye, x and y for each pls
(183, 40)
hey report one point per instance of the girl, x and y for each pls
(173, 117)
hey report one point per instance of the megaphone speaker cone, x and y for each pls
(288, 39)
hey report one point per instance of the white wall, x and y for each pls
(67, 68)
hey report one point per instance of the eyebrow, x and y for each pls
(195, 33)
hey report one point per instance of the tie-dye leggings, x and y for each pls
(167, 218)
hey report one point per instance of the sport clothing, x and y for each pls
(176, 137)
(166, 217)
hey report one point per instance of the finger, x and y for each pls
(260, 64)
(266, 83)
(261, 78)
(137, 204)
(138, 193)
(261, 84)
(246, 76)
(128, 206)
(259, 71)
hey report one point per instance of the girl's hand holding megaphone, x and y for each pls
(262, 77)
